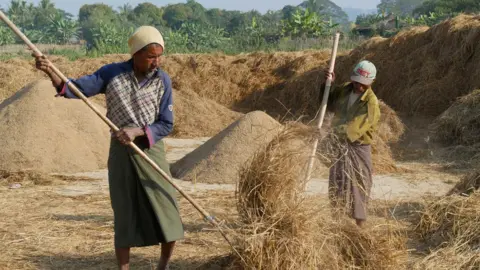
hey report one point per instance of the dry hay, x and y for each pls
(390, 130)
(199, 117)
(229, 80)
(49, 134)
(218, 159)
(452, 219)
(457, 130)
(282, 228)
(454, 257)
(467, 185)
(459, 124)
(35, 178)
(268, 184)
(423, 70)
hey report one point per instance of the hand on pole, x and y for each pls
(329, 75)
(127, 135)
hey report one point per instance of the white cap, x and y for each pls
(365, 73)
(143, 36)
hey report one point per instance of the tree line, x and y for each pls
(190, 27)
(407, 13)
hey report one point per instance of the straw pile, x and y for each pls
(245, 83)
(423, 70)
(453, 257)
(219, 159)
(229, 80)
(49, 134)
(451, 227)
(282, 228)
(459, 124)
(199, 117)
(453, 219)
(468, 184)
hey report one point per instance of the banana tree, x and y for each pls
(62, 30)
(6, 36)
(306, 24)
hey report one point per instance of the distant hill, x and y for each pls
(354, 12)
(328, 8)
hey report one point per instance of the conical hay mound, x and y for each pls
(48, 134)
(220, 158)
(199, 117)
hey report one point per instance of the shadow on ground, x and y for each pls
(83, 218)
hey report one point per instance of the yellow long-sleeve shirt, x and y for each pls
(359, 121)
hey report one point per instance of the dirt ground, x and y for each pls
(68, 224)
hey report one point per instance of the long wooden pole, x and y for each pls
(323, 107)
(79, 94)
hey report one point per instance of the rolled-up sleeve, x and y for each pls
(89, 85)
(164, 123)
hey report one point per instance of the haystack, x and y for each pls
(452, 219)
(219, 159)
(453, 257)
(460, 123)
(199, 117)
(229, 80)
(282, 228)
(48, 134)
(423, 70)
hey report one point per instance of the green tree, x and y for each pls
(22, 14)
(197, 12)
(398, 7)
(126, 10)
(306, 24)
(176, 15)
(109, 39)
(93, 16)
(62, 30)
(6, 35)
(448, 6)
(148, 14)
(288, 11)
(97, 11)
(202, 37)
(217, 17)
(327, 9)
(44, 12)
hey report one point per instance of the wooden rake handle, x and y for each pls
(79, 94)
(323, 108)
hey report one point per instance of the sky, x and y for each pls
(72, 6)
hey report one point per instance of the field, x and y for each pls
(54, 194)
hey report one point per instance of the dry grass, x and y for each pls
(35, 178)
(457, 130)
(422, 70)
(42, 229)
(269, 183)
(283, 228)
(452, 219)
(459, 124)
(450, 227)
(469, 184)
(453, 257)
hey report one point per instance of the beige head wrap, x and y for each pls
(144, 36)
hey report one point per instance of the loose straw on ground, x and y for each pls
(323, 107)
(79, 94)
